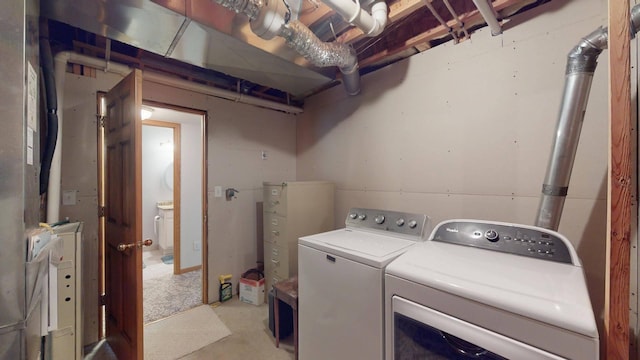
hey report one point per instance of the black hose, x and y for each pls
(46, 60)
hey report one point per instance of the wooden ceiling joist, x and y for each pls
(400, 9)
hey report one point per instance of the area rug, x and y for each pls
(183, 333)
(168, 294)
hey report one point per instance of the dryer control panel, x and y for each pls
(522, 240)
(405, 224)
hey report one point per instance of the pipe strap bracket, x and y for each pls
(553, 190)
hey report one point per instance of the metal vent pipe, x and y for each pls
(324, 54)
(581, 65)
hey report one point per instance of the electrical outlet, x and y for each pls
(196, 245)
(217, 191)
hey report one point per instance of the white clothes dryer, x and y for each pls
(341, 283)
(489, 290)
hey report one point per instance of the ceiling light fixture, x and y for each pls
(146, 112)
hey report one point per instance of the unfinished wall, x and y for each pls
(465, 131)
(237, 134)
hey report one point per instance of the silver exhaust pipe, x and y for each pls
(581, 64)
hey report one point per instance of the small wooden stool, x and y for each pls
(287, 291)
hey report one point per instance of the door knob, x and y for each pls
(139, 244)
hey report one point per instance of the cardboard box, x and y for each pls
(252, 291)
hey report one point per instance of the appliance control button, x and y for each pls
(400, 222)
(379, 219)
(491, 235)
(507, 237)
(412, 224)
(353, 215)
(362, 216)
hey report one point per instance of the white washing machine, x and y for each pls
(489, 290)
(341, 283)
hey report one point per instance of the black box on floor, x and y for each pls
(286, 317)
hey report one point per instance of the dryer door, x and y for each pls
(423, 333)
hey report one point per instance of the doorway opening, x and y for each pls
(173, 203)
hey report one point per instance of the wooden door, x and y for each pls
(123, 219)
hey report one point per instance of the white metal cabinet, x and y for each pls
(65, 343)
(292, 209)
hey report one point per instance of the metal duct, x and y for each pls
(269, 19)
(251, 8)
(581, 64)
(324, 54)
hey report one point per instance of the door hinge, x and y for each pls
(102, 211)
(103, 299)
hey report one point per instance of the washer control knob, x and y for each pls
(379, 219)
(491, 235)
(400, 222)
(362, 216)
(412, 224)
(353, 216)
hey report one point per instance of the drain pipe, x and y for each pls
(489, 16)
(581, 65)
(370, 24)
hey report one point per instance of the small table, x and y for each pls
(287, 291)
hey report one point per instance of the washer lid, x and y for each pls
(549, 292)
(362, 246)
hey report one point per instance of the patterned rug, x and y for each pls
(168, 294)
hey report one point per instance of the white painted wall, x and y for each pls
(156, 159)
(191, 193)
(465, 131)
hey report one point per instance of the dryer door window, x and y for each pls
(423, 333)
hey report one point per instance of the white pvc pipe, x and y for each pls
(61, 59)
(489, 16)
(371, 24)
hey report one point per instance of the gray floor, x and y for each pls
(250, 337)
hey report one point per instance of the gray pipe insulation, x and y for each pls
(581, 65)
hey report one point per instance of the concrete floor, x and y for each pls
(250, 337)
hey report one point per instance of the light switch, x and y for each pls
(217, 191)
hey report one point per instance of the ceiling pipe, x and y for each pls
(581, 65)
(324, 54)
(371, 24)
(456, 17)
(442, 22)
(489, 16)
(279, 18)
